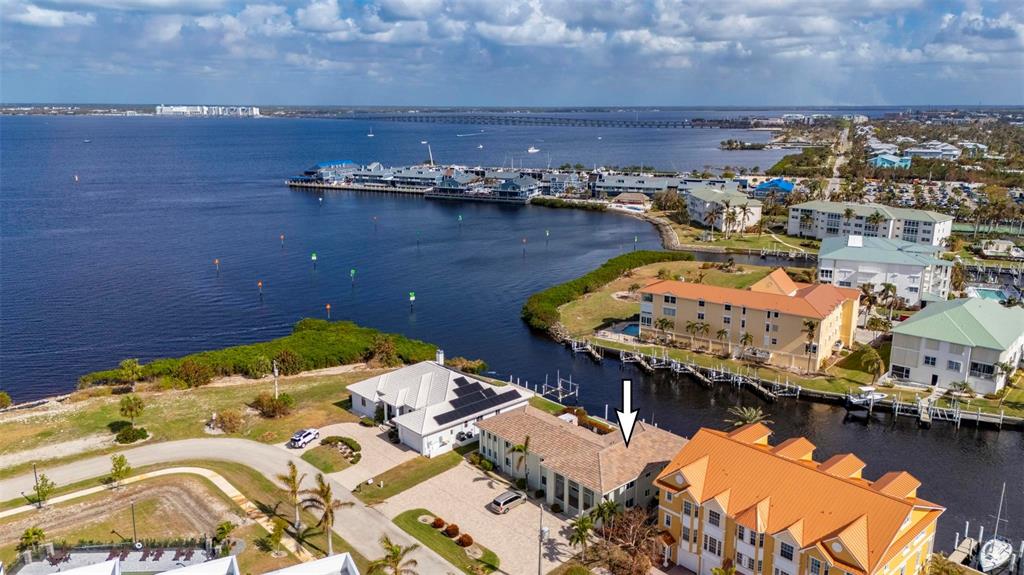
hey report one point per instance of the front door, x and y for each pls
(935, 379)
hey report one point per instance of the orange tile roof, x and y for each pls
(777, 282)
(814, 502)
(843, 465)
(795, 448)
(813, 301)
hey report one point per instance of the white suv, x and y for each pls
(303, 437)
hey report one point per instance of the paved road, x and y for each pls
(844, 148)
(359, 525)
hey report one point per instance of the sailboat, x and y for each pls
(370, 135)
(996, 551)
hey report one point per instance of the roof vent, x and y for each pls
(855, 241)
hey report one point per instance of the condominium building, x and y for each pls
(575, 467)
(820, 219)
(915, 269)
(959, 340)
(767, 321)
(774, 510)
(611, 185)
(702, 200)
(934, 150)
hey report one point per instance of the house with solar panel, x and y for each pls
(434, 408)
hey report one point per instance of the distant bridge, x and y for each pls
(535, 120)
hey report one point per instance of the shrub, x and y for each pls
(383, 352)
(355, 458)
(230, 420)
(169, 382)
(268, 406)
(258, 367)
(288, 363)
(578, 570)
(521, 483)
(464, 540)
(367, 422)
(539, 494)
(486, 465)
(452, 530)
(193, 373)
(5, 399)
(556, 507)
(131, 434)
(438, 523)
(476, 366)
(541, 310)
(352, 444)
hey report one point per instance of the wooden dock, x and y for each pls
(356, 187)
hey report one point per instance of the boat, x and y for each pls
(370, 135)
(996, 551)
(868, 396)
(423, 141)
(480, 147)
(86, 141)
(532, 150)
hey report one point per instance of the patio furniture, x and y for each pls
(158, 554)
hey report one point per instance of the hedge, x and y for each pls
(313, 344)
(541, 310)
(560, 203)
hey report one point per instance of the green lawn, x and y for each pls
(851, 368)
(411, 473)
(326, 458)
(583, 316)
(691, 235)
(181, 414)
(444, 546)
(546, 405)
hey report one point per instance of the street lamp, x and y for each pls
(275, 378)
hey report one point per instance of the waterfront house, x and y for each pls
(774, 509)
(890, 161)
(776, 186)
(557, 184)
(418, 177)
(574, 466)
(767, 321)
(702, 200)
(958, 340)
(517, 189)
(820, 219)
(915, 269)
(431, 405)
(611, 185)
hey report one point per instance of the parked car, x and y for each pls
(303, 437)
(506, 501)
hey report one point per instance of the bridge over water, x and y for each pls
(535, 120)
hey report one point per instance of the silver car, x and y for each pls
(506, 501)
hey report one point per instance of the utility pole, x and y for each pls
(274, 363)
(135, 534)
(541, 533)
(36, 475)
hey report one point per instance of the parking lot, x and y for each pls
(460, 496)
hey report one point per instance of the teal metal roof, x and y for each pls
(866, 210)
(975, 322)
(880, 250)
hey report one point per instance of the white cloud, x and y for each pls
(190, 6)
(164, 28)
(32, 15)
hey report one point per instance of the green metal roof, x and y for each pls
(713, 194)
(975, 322)
(880, 250)
(866, 210)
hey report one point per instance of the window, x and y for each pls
(668, 496)
(753, 537)
(686, 533)
(726, 320)
(743, 323)
(815, 566)
(929, 360)
(956, 349)
(743, 311)
(362, 401)
(900, 372)
(669, 311)
(728, 307)
(953, 365)
(912, 289)
(647, 297)
(741, 532)
(775, 341)
(646, 319)
(668, 520)
(825, 274)
(715, 518)
(982, 370)
(775, 314)
(700, 315)
(786, 551)
(700, 303)
(647, 492)
(670, 299)
(780, 572)
(687, 507)
(712, 545)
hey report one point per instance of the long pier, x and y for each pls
(356, 187)
(561, 121)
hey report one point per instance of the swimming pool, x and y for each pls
(632, 329)
(988, 293)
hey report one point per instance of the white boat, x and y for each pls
(480, 147)
(532, 150)
(370, 135)
(867, 396)
(423, 141)
(996, 551)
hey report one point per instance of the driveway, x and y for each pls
(378, 454)
(359, 525)
(460, 495)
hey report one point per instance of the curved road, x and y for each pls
(360, 525)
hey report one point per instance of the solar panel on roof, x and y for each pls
(468, 409)
(467, 389)
(460, 381)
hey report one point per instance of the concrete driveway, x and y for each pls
(460, 495)
(378, 454)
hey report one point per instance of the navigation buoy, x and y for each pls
(216, 263)
(282, 240)
(321, 201)
(328, 306)
(412, 299)
(313, 257)
(76, 177)
(259, 286)
(635, 239)
(524, 247)
(352, 275)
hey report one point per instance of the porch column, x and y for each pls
(565, 493)
(549, 488)
(579, 501)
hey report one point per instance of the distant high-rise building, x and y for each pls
(235, 111)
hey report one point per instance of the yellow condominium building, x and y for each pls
(776, 320)
(774, 510)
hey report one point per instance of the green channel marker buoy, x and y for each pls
(313, 258)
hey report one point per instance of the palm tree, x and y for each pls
(888, 296)
(729, 221)
(873, 363)
(875, 219)
(394, 562)
(606, 512)
(664, 325)
(31, 538)
(962, 387)
(691, 328)
(293, 484)
(579, 534)
(723, 335)
(938, 564)
(746, 339)
(810, 326)
(746, 415)
(745, 214)
(703, 328)
(868, 299)
(710, 217)
(727, 568)
(522, 449)
(878, 325)
(321, 498)
(848, 215)
(805, 222)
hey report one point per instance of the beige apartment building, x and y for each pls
(776, 320)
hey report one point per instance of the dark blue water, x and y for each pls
(120, 264)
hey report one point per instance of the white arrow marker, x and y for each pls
(627, 417)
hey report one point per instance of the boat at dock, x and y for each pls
(997, 551)
(866, 399)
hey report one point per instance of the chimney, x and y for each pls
(439, 358)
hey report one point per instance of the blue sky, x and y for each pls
(513, 52)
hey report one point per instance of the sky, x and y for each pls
(514, 52)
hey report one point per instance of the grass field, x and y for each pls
(546, 405)
(445, 547)
(851, 367)
(692, 235)
(181, 414)
(411, 473)
(326, 458)
(583, 316)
